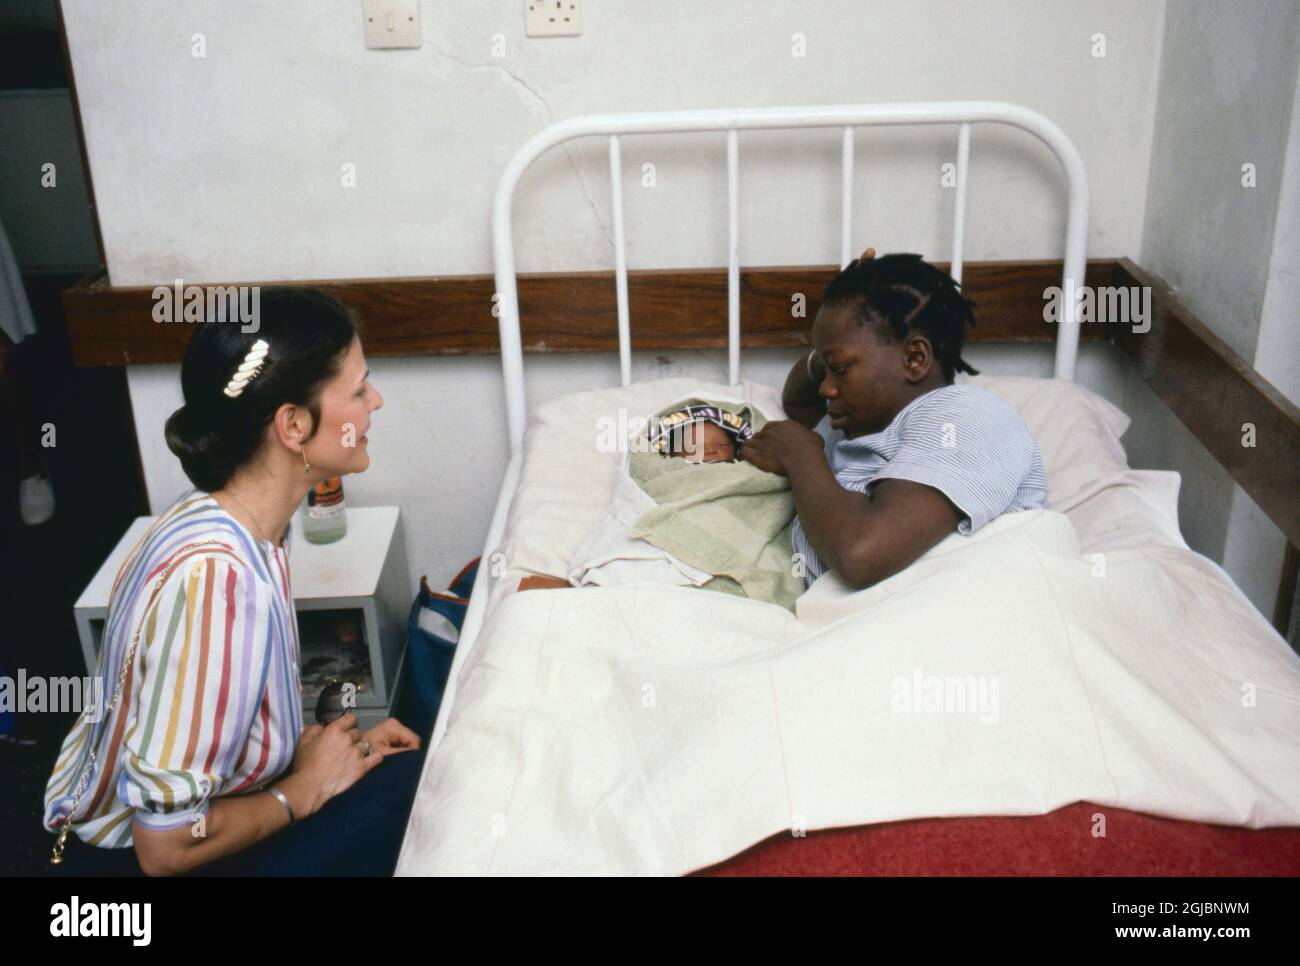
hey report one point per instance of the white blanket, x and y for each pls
(639, 729)
(608, 557)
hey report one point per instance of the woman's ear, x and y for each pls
(918, 358)
(292, 426)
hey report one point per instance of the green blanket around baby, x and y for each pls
(731, 520)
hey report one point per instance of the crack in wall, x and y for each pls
(550, 115)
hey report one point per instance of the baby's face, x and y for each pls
(706, 443)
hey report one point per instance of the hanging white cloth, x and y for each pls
(15, 312)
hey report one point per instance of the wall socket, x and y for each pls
(392, 23)
(553, 18)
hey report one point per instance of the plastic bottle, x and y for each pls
(324, 516)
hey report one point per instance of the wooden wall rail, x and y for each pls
(1208, 387)
(567, 312)
(1215, 393)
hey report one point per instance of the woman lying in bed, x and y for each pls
(907, 456)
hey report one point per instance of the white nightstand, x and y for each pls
(360, 580)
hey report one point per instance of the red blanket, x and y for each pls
(1058, 843)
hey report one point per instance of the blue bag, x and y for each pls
(430, 649)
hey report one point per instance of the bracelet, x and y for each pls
(285, 802)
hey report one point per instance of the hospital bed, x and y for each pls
(1148, 717)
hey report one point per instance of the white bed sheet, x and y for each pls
(651, 729)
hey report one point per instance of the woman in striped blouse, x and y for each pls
(199, 758)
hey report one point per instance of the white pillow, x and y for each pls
(1078, 432)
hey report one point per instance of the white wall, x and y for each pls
(1227, 97)
(228, 168)
(1254, 547)
(1277, 349)
(1227, 80)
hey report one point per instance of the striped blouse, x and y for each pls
(211, 704)
(967, 443)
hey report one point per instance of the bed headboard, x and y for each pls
(846, 117)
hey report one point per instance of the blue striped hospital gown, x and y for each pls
(967, 443)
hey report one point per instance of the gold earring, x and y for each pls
(306, 467)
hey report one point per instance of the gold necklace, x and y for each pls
(260, 532)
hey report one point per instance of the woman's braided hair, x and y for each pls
(898, 294)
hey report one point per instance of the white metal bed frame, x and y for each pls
(845, 117)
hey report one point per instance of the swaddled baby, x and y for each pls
(693, 431)
(721, 524)
(700, 434)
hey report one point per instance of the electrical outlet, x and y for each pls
(553, 18)
(392, 23)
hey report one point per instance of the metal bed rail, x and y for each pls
(732, 121)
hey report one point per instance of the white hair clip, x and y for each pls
(248, 369)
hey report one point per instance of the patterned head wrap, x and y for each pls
(667, 429)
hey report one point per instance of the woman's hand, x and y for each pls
(332, 758)
(390, 736)
(779, 443)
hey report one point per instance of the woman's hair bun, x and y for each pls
(202, 454)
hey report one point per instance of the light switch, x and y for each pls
(392, 23)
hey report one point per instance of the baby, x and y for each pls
(700, 434)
